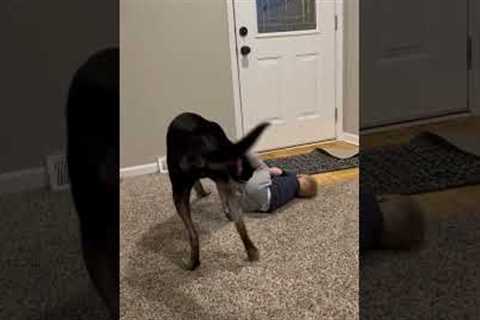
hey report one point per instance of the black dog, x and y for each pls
(198, 148)
(92, 154)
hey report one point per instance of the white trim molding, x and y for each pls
(37, 178)
(413, 123)
(23, 180)
(140, 170)
(232, 41)
(339, 67)
(350, 138)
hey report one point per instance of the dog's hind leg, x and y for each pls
(181, 199)
(232, 201)
(200, 190)
(223, 197)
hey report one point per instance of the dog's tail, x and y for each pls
(247, 142)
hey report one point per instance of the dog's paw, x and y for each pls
(253, 254)
(228, 215)
(228, 212)
(191, 265)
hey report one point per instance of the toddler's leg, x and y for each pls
(283, 189)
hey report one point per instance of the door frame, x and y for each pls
(339, 65)
(474, 73)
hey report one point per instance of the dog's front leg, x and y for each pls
(182, 204)
(232, 202)
(252, 251)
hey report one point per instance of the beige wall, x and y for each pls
(351, 66)
(174, 57)
(43, 42)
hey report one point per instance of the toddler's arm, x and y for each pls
(274, 171)
(256, 162)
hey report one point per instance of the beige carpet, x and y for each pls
(308, 267)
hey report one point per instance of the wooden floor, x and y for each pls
(321, 178)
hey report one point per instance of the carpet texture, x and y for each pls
(308, 267)
(427, 163)
(42, 274)
(441, 280)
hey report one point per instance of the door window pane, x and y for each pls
(285, 15)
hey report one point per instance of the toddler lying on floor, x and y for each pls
(270, 188)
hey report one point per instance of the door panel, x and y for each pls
(288, 77)
(413, 59)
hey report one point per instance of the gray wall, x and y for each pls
(43, 42)
(174, 57)
(351, 71)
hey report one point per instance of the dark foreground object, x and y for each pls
(93, 123)
(394, 222)
(198, 148)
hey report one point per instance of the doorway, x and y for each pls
(285, 61)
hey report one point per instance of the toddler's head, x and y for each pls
(308, 186)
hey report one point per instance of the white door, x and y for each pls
(286, 60)
(413, 59)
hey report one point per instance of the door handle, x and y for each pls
(245, 50)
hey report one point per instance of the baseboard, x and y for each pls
(134, 171)
(23, 180)
(350, 138)
(413, 123)
(37, 178)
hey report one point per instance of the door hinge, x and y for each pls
(469, 52)
(336, 114)
(336, 22)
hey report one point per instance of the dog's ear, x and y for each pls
(241, 147)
